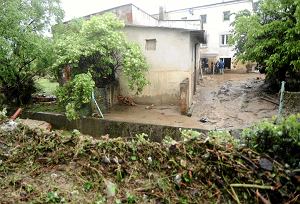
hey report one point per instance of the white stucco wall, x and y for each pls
(169, 64)
(139, 17)
(214, 26)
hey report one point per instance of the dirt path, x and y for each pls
(232, 100)
(223, 101)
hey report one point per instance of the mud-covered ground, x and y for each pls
(233, 100)
(226, 101)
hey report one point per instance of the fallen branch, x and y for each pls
(244, 185)
(263, 200)
(235, 197)
(266, 99)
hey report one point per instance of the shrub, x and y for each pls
(281, 141)
(76, 94)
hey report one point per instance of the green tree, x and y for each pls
(98, 46)
(76, 94)
(271, 37)
(24, 50)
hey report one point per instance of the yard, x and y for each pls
(232, 100)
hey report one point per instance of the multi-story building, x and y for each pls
(216, 19)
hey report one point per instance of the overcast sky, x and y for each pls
(77, 8)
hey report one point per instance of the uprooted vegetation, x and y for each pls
(58, 167)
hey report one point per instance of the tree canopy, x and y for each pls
(24, 49)
(271, 37)
(98, 46)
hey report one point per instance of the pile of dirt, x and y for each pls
(57, 167)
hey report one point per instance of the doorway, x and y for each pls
(227, 63)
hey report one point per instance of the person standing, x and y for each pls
(221, 65)
(216, 67)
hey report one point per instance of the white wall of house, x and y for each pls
(215, 25)
(169, 63)
(140, 17)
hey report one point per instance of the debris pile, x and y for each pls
(126, 100)
(57, 167)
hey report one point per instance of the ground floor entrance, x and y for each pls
(227, 63)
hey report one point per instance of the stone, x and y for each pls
(266, 164)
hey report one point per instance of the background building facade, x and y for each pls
(216, 19)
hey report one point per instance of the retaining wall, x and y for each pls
(97, 127)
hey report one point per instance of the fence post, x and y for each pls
(281, 102)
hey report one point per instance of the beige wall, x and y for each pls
(169, 64)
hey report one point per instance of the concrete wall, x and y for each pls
(132, 15)
(142, 18)
(98, 127)
(215, 26)
(169, 64)
(123, 12)
(193, 25)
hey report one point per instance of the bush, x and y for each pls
(281, 141)
(76, 94)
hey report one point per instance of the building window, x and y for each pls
(224, 39)
(151, 44)
(203, 18)
(226, 15)
(204, 44)
(184, 18)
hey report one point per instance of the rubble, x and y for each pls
(54, 165)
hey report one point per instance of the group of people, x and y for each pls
(219, 66)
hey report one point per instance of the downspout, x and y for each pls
(195, 68)
(190, 110)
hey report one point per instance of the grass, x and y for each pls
(38, 107)
(47, 86)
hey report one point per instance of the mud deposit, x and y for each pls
(233, 100)
(229, 101)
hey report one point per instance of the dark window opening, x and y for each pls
(226, 15)
(224, 39)
(203, 18)
(227, 63)
(151, 44)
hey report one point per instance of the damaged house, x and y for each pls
(171, 48)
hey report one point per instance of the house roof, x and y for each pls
(113, 8)
(164, 27)
(125, 5)
(207, 5)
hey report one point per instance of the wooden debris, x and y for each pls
(126, 100)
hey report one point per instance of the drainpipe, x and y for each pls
(195, 68)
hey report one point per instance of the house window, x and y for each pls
(151, 44)
(184, 18)
(203, 18)
(226, 15)
(224, 39)
(204, 44)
